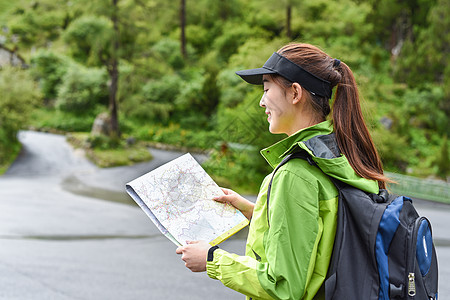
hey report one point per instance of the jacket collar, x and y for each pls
(275, 153)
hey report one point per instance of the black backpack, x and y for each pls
(383, 249)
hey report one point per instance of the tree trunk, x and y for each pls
(223, 9)
(288, 21)
(182, 26)
(113, 70)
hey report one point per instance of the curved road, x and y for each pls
(60, 239)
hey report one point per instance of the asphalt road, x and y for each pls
(61, 239)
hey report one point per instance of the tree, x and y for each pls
(394, 21)
(288, 7)
(96, 40)
(112, 65)
(288, 19)
(183, 27)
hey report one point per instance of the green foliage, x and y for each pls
(169, 50)
(197, 99)
(241, 170)
(48, 119)
(19, 95)
(175, 135)
(82, 90)
(398, 51)
(155, 100)
(108, 152)
(425, 108)
(234, 36)
(331, 21)
(246, 123)
(199, 37)
(103, 142)
(49, 69)
(443, 160)
(90, 38)
(426, 59)
(388, 146)
(35, 23)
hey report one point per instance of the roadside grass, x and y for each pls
(5, 7)
(54, 120)
(104, 156)
(8, 157)
(102, 151)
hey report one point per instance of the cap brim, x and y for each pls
(254, 76)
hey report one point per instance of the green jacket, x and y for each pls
(289, 259)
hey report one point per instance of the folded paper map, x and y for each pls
(178, 198)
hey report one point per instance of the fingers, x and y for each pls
(182, 249)
(227, 191)
(194, 255)
(222, 199)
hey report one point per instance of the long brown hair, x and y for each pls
(352, 135)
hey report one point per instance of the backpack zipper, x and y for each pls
(412, 258)
(411, 285)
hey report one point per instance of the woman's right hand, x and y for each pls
(237, 201)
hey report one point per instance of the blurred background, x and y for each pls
(163, 72)
(128, 82)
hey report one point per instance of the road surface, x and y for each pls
(69, 231)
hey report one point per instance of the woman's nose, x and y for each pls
(261, 102)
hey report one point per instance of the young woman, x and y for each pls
(290, 242)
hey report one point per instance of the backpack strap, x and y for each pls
(300, 154)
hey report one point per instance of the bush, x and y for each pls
(246, 123)
(233, 37)
(199, 37)
(240, 170)
(388, 145)
(82, 90)
(169, 50)
(177, 136)
(19, 96)
(49, 68)
(443, 160)
(51, 118)
(154, 101)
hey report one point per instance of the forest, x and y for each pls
(164, 72)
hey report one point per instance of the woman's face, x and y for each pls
(279, 109)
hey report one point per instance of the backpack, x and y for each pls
(383, 249)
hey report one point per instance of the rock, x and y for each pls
(131, 141)
(386, 122)
(102, 125)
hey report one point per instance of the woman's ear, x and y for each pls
(297, 93)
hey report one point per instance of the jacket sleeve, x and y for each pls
(236, 272)
(290, 245)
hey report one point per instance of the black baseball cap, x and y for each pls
(278, 64)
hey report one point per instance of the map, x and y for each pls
(178, 198)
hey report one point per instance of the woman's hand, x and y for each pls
(236, 200)
(194, 255)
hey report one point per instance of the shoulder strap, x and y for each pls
(300, 154)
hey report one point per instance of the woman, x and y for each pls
(290, 242)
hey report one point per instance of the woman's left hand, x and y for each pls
(194, 255)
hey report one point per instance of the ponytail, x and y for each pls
(352, 135)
